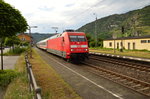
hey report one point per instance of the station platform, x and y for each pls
(123, 57)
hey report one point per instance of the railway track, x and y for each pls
(127, 81)
(137, 85)
(137, 66)
(135, 76)
(135, 70)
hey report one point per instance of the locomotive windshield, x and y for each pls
(77, 38)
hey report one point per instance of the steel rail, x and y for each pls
(139, 67)
(132, 83)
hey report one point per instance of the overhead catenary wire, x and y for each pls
(83, 12)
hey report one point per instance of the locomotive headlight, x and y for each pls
(85, 49)
(73, 46)
(72, 49)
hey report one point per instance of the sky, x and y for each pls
(70, 14)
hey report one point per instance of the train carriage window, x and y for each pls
(81, 39)
(73, 38)
(77, 38)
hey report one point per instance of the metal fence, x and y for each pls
(32, 82)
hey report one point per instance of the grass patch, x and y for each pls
(134, 53)
(53, 86)
(16, 51)
(19, 87)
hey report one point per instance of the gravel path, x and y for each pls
(9, 61)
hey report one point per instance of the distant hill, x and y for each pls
(39, 36)
(136, 23)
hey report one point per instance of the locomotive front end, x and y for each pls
(78, 46)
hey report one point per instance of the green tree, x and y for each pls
(25, 43)
(11, 23)
(92, 44)
(12, 41)
(100, 42)
(89, 38)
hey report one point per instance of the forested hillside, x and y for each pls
(135, 23)
(39, 36)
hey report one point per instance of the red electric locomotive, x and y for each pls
(69, 45)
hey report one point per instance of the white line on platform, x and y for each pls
(116, 95)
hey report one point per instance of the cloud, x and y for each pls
(45, 8)
(69, 5)
(70, 13)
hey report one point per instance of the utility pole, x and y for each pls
(122, 30)
(95, 29)
(29, 28)
(1, 39)
(114, 37)
(1, 48)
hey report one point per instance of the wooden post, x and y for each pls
(1, 55)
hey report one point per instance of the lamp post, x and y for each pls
(29, 28)
(114, 37)
(56, 29)
(95, 29)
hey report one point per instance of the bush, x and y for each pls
(6, 76)
(16, 51)
(19, 50)
(92, 44)
(25, 43)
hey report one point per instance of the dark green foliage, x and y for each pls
(89, 38)
(24, 43)
(91, 41)
(100, 42)
(135, 23)
(145, 16)
(12, 22)
(92, 44)
(6, 76)
(11, 41)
